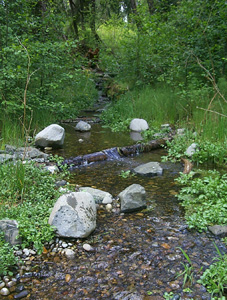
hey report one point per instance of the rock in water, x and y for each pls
(82, 126)
(133, 198)
(149, 169)
(51, 136)
(138, 125)
(74, 215)
(98, 195)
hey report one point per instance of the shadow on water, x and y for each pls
(134, 256)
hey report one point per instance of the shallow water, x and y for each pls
(137, 255)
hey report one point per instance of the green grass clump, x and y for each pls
(204, 199)
(7, 258)
(27, 195)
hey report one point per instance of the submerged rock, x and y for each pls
(133, 198)
(51, 136)
(149, 169)
(99, 196)
(138, 125)
(74, 215)
(82, 126)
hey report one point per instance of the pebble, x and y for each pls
(22, 294)
(108, 207)
(10, 283)
(87, 247)
(4, 292)
(69, 253)
(64, 245)
(26, 251)
(67, 277)
(2, 284)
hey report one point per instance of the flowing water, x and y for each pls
(136, 255)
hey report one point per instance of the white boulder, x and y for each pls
(138, 125)
(51, 136)
(74, 215)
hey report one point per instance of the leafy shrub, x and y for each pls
(204, 199)
(28, 194)
(215, 277)
(7, 258)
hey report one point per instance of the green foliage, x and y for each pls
(208, 151)
(215, 277)
(126, 174)
(27, 195)
(188, 276)
(204, 199)
(7, 258)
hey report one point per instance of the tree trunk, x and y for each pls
(151, 6)
(92, 20)
(74, 12)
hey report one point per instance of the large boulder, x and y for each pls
(51, 136)
(74, 215)
(82, 126)
(138, 125)
(99, 196)
(11, 231)
(149, 169)
(133, 198)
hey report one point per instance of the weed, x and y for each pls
(204, 199)
(126, 174)
(215, 277)
(188, 276)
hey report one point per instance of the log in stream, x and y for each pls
(115, 153)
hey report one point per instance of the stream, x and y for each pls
(134, 256)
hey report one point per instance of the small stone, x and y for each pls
(67, 277)
(69, 253)
(22, 294)
(80, 140)
(10, 284)
(64, 245)
(26, 251)
(108, 207)
(4, 292)
(2, 284)
(87, 247)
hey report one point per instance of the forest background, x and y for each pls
(168, 59)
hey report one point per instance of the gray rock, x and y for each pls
(29, 153)
(4, 291)
(191, 149)
(5, 157)
(69, 253)
(218, 229)
(99, 196)
(11, 231)
(133, 198)
(74, 215)
(125, 295)
(149, 169)
(10, 149)
(51, 136)
(82, 126)
(138, 125)
(180, 131)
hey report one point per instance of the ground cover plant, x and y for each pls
(27, 195)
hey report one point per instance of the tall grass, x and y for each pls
(11, 133)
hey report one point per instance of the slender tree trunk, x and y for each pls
(151, 6)
(74, 12)
(92, 22)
